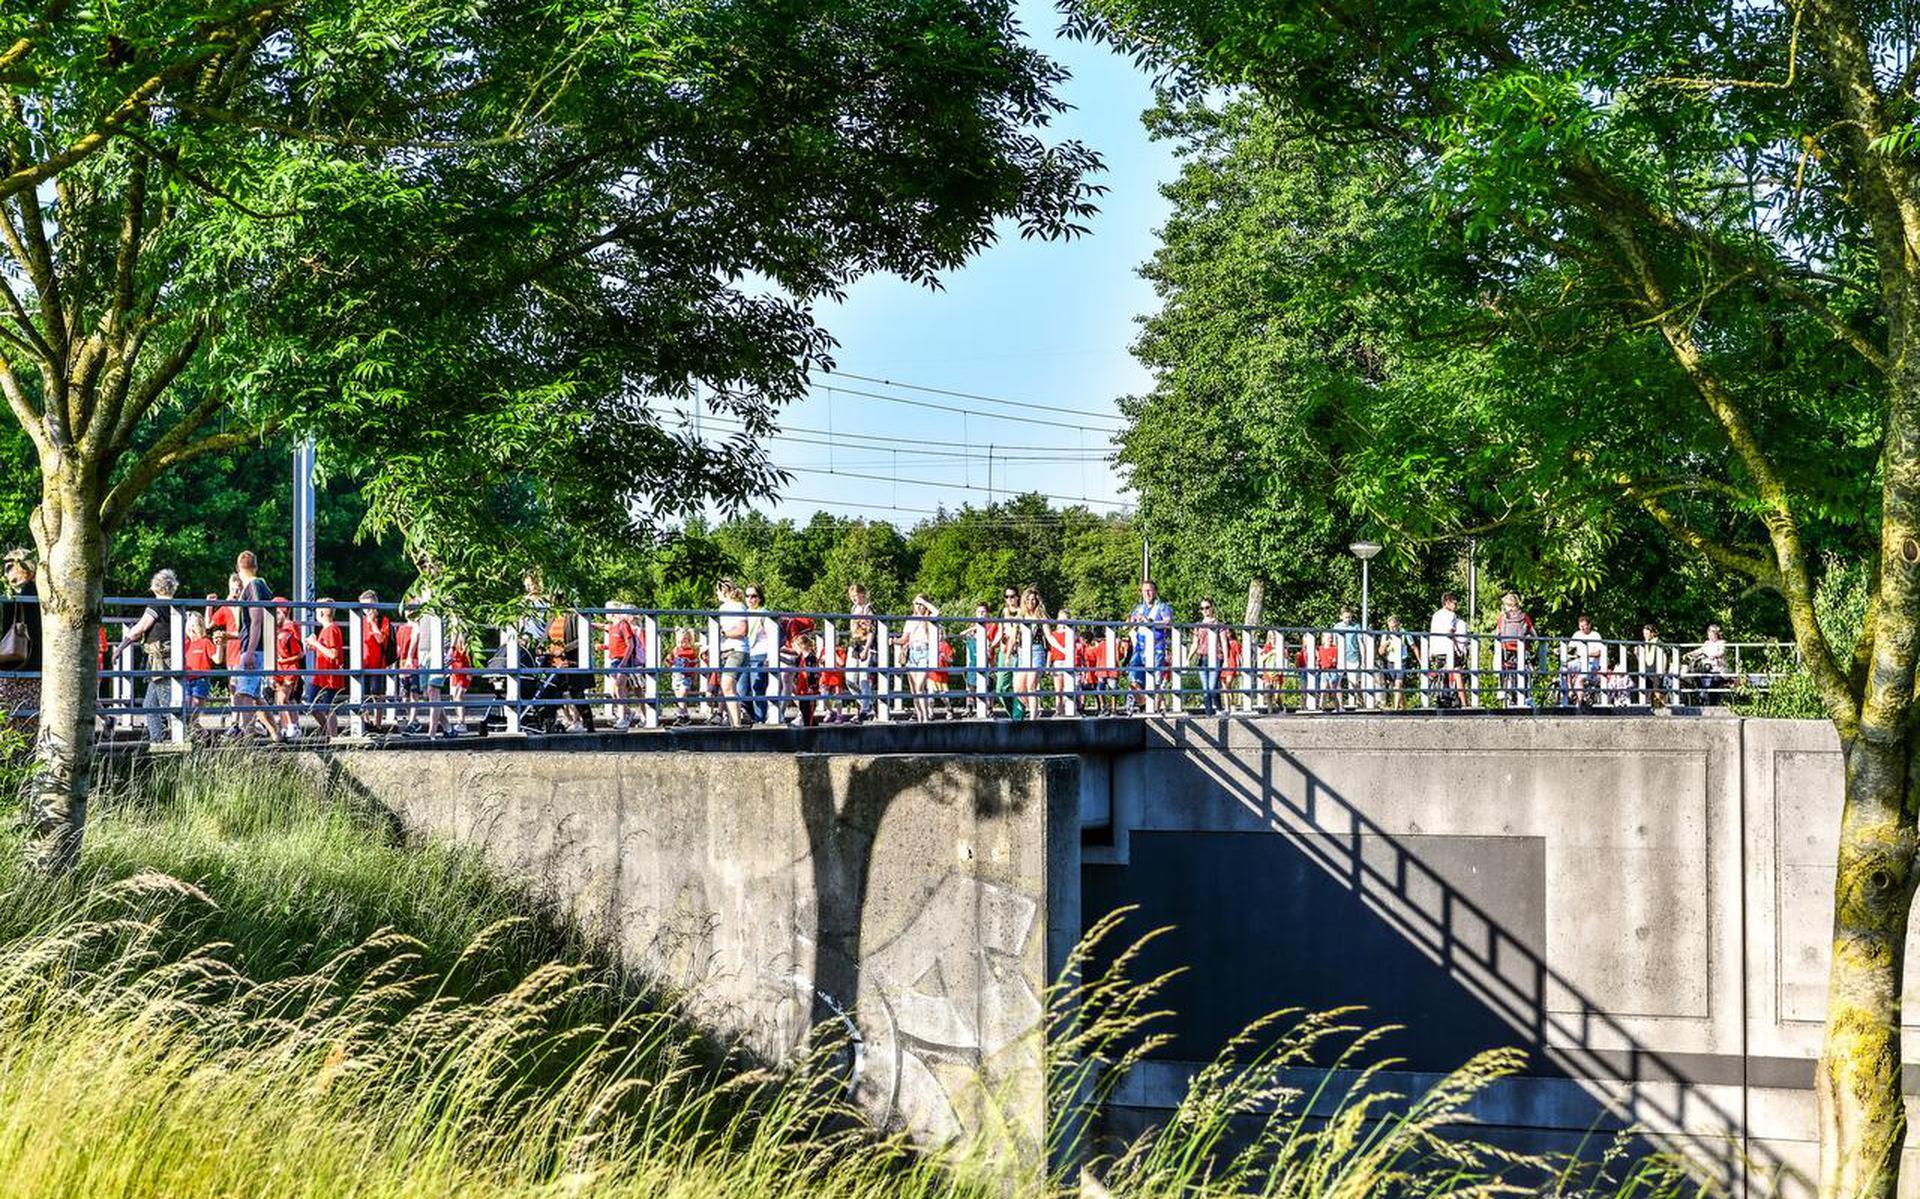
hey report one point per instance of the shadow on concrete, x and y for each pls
(1369, 904)
(843, 811)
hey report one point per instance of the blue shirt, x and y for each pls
(1150, 633)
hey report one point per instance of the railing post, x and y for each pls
(583, 660)
(510, 650)
(716, 677)
(118, 654)
(177, 664)
(980, 681)
(829, 705)
(356, 686)
(650, 668)
(1177, 647)
(882, 676)
(1248, 671)
(1472, 697)
(1070, 698)
(776, 710)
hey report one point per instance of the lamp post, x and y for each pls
(1365, 550)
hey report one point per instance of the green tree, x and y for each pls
(1691, 230)
(478, 250)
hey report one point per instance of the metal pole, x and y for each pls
(1146, 559)
(1473, 582)
(1366, 577)
(304, 511)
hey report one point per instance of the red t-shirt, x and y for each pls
(1057, 646)
(403, 649)
(289, 655)
(458, 664)
(199, 655)
(228, 618)
(329, 657)
(619, 641)
(686, 657)
(373, 642)
(102, 662)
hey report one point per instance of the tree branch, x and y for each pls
(1791, 573)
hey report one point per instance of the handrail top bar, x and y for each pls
(353, 605)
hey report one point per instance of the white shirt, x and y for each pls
(1587, 649)
(728, 619)
(763, 636)
(429, 642)
(1446, 627)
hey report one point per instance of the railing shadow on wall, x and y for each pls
(1553, 1018)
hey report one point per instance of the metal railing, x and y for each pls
(678, 666)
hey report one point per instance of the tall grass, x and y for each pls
(251, 990)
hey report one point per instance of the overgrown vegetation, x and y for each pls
(1840, 603)
(248, 989)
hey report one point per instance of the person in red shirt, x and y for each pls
(833, 683)
(290, 660)
(801, 660)
(459, 676)
(376, 655)
(200, 656)
(406, 659)
(329, 670)
(686, 670)
(621, 647)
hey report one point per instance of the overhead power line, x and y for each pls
(968, 395)
(1094, 454)
(977, 516)
(1065, 499)
(973, 412)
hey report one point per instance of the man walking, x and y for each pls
(1446, 645)
(1152, 621)
(256, 640)
(1513, 633)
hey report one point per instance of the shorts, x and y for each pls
(410, 683)
(1037, 656)
(919, 656)
(323, 698)
(733, 659)
(684, 682)
(199, 689)
(436, 682)
(250, 681)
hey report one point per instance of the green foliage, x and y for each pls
(1324, 352)
(1841, 603)
(483, 253)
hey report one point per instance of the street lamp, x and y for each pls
(1364, 550)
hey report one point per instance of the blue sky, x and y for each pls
(1040, 323)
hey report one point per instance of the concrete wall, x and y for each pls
(1643, 904)
(928, 898)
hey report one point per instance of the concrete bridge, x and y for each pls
(1641, 903)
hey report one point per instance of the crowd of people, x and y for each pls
(252, 664)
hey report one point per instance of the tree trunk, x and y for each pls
(1256, 600)
(72, 573)
(1863, 1122)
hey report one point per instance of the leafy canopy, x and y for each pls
(481, 250)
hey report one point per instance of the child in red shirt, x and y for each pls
(289, 660)
(622, 650)
(803, 660)
(685, 660)
(459, 678)
(201, 656)
(329, 661)
(833, 683)
(376, 642)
